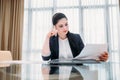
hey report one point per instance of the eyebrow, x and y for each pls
(62, 24)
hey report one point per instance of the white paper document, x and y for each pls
(89, 54)
(92, 51)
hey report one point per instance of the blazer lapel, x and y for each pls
(72, 43)
(56, 47)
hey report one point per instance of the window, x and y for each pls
(95, 20)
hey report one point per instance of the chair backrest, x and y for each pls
(5, 56)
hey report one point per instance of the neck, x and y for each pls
(62, 37)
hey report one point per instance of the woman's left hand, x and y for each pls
(103, 56)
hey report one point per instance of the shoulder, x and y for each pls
(73, 35)
(52, 38)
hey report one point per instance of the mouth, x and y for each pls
(65, 31)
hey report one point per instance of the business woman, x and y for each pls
(60, 43)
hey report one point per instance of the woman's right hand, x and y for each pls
(52, 33)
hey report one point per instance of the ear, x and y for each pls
(54, 27)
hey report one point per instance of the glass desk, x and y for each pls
(22, 70)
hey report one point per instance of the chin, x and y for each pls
(66, 32)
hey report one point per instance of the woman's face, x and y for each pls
(62, 27)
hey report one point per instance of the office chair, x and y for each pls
(5, 56)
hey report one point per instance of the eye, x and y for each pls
(66, 24)
(61, 26)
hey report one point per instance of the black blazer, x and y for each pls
(75, 41)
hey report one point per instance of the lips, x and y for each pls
(65, 31)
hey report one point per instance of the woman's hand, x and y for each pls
(45, 72)
(52, 33)
(103, 56)
(46, 48)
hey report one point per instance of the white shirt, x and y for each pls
(64, 72)
(64, 49)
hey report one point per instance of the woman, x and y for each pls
(62, 44)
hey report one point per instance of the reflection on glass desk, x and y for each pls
(40, 71)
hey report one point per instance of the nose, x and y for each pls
(65, 27)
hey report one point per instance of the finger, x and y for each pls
(53, 33)
(106, 53)
(103, 58)
(102, 55)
